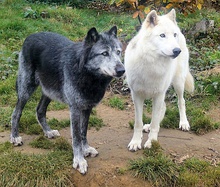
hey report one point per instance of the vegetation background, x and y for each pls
(73, 18)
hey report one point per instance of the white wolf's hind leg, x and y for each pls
(146, 128)
(178, 84)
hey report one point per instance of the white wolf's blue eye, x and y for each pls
(105, 53)
(162, 35)
(175, 35)
(118, 52)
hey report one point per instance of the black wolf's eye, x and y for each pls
(175, 35)
(118, 52)
(162, 35)
(105, 53)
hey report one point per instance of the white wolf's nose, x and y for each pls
(176, 52)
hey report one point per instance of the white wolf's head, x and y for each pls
(162, 33)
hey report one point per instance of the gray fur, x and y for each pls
(74, 73)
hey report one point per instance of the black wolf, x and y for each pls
(75, 73)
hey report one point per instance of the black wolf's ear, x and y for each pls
(113, 31)
(172, 15)
(151, 19)
(92, 36)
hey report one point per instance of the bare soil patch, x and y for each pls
(111, 142)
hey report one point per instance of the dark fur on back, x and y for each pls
(64, 61)
(76, 73)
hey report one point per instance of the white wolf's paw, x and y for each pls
(80, 165)
(184, 126)
(146, 128)
(52, 133)
(152, 136)
(90, 151)
(148, 144)
(135, 144)
(136, 140)
(16, 141)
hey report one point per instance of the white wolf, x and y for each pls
(154, 59)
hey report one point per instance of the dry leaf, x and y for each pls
(135, 14)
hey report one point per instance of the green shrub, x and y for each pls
(116, 102)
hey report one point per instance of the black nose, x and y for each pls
(119, 70)
(176, 52)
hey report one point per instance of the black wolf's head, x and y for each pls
(102, 53)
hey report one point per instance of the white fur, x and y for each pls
(89, 151)
(80, 164)
(150, 70)
(16, 141)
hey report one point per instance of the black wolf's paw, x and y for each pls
(52, 134)
(90, 151)
(80, 165)
(16, 141)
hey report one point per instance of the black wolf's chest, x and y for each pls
(93, 89)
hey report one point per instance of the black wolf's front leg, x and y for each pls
(79, 162)
(87, 150)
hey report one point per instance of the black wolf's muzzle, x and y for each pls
(176, 52)
(119, 70)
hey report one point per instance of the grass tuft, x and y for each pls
(160, 170)
(52, 169)
(146, 120)
(200, 123)
(116, 102)
(42, 142)
(157, 168)
(96, 122)
(60, 144)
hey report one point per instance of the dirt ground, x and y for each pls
(111, 142)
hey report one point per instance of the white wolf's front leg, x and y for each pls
(136, 140)
(158, 112)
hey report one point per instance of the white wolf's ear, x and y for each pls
(151, 19)
(92, 36)
(113, 31)
(172, 15)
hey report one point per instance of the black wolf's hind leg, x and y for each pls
(24, 92)
(41, 116)
(15, 138)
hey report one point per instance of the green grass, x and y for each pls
(200, 123)
(15, 27)
(116, 102)
(60, 143)
(51, 169)
(29, 125)
(146, 120)
(161, 171)
(95, 122)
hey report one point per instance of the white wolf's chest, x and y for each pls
(148, 76)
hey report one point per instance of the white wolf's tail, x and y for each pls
(189, 83)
